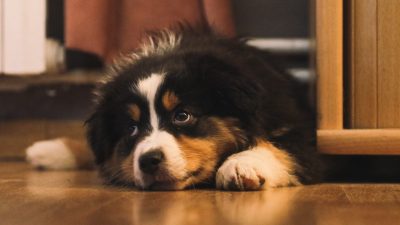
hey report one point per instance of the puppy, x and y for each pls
(191, 108)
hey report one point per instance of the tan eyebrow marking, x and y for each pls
(134, 111)
(170, 100)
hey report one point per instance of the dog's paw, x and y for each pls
(239, 174)
(51, 154)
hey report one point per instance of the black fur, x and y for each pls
(215, 77)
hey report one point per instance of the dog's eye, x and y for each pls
(133, 130)
(182, 118)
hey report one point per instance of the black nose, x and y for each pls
(150, 161)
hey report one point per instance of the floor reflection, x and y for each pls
(59, 184)
(273, 206)
(79, 198)
(213, 207)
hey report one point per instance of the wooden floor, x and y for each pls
(34, 197)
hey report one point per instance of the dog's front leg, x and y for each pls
(260, 167)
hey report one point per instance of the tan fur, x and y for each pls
(225, 132)
(205, 153)
(281, 155)
(199, 153)
(127, 167)
(119, 167)
(134, 112)
(196, 151)
(261, 166)
(170, 100)
(81, 151)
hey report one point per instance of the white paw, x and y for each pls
(52, 154)
(238, 173)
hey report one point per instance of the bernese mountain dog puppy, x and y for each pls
(192, 108)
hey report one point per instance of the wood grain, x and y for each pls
(16, 136)
(359, 141)
(388, 64)
(78, 197)
(329, 63)
(362, 76)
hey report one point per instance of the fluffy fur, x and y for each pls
(53, 154)
(191, 108)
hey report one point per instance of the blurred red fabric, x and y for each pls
(108, 28)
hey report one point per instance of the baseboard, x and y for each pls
(359, 141)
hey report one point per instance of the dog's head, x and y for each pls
(173, 112)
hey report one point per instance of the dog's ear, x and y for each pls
(97, 136)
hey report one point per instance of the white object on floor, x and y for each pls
(51, 154)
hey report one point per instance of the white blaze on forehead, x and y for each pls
(148, 87)
(157, 139)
